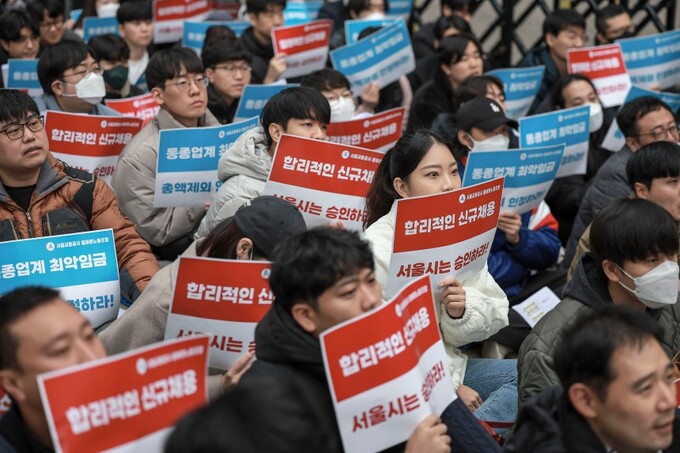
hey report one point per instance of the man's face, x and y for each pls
(638, 411)
(137, 32)
(27, 46)
(229, 78)
(185, 97)
(264, 22)
(51, 29)
(50, 337)
(21, 158)
(665, 192)
(307, 128)
(65, 89)
(373, 7)
(617, 27)
(572, 37)
(656, 126)
(348, 298)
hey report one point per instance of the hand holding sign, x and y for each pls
(430, 435)
(453, 297)
(277, 66)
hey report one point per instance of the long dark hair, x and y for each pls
(399, 162)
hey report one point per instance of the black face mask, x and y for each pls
(116, 77)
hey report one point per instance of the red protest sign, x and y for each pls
(305, 46)
(605, 66)
(378, 132)
(326, 181)
(130, 397)
(143, 107)
(169, 15)
(387, 370)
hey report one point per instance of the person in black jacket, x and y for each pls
(228, 66)
(617, 390)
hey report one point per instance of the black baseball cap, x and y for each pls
(484, 113)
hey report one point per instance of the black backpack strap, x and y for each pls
(85, 195)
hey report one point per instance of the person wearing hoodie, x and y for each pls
(264, 15)
(244, 168)
(633, 262)
(617, 390)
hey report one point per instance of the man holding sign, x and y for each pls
(39, 332)
(264, 15)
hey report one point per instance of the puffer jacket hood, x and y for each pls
(248, 157)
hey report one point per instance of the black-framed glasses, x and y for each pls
(16, 131)
(99, 71)
(184, 84)
(232, 69)
(661, 134)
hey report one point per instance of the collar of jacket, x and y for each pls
(164, 120)
(51, 178)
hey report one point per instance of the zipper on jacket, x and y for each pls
(30, 223)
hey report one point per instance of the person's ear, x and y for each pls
(252, 18)
(158, 95)
(5, 45)
(210, 73)
(464, 139)
(305, 316)
(584, 400)
(276, 131)
(610, 268)
(121, 31)
(641, 191)
(401, 187)
(550, 40)
(244, 249)
(9, 380)
(632, 143)
(57, 87)
(445, 69)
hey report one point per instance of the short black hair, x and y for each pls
(632, 230)
(219, 33)
(476, 86)
(632, 112)
(357, 6)
(452, 48)
(652, 161)
(13, 306)
(602, 15)
(461, 5)
(56, 59)
(309, 263)
(562, 19)
(262, 6)
(38, 8)
(325, 80)
(585, 351)
(134, 10)
(219, 52)
(557, 94)
(446, 22)
(13, 21)
(276, 414)
(296, 102)
(167, 64)
(16, 105)
(110, 47)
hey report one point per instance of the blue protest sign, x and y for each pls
(521, 86)
(193, 33)
(254, 98)
(186, 170)
(82, 265)
(296, 13)
(653, 61)
(570, 127)
(528, 174)
(313, 7)
(400, 8)
(96, 26)
(354, 27)
(23, 74)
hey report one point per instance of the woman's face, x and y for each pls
(437, 172)
(579, 92)
(470, 64)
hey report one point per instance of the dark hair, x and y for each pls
(262, 6)
(220, 34)
(13, 306)
(652, 161)
(166, 64)
(584, 354)
(37, 9)
(223, 240)
(309, 263)
(557, 94)
(399, 162)
(357, 6)
(602, 15)
(110, 47)
(133, 10)
(325, 80)
(461, 5)
(562, 19)
(276, 414)
(222, 52)
(56, 59)
(447, 22)
(632, 230)
(13, 21)
(476, 86)
(89, 10)
(632, 112)
(16, 106)
(296, 102)
(452, 48)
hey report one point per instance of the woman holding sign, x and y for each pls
(422, 163)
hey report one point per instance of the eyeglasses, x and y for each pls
(56, 24)
(183, 85)
(232, 69)
(16, 131)
(661, 134)
(85, 72)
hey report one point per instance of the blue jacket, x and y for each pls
(538, 249)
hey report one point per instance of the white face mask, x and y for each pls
(498, 142)
(90, 89)
(596, 116)
(342, 109)
(107, 10)
(375, 16)
(658, 287)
